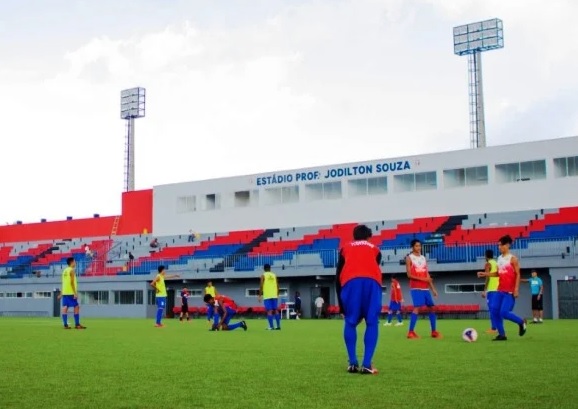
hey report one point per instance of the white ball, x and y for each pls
(470, 335)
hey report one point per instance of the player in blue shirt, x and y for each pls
(184, 304)
(537, 290)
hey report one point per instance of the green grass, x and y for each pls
(129, 364)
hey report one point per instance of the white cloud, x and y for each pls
(320, 82)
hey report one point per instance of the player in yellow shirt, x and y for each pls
(269, 292)
(69, 294)
(491, 288)
(211, 309)
(161, 293)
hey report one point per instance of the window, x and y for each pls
(383, 289)
(369, 186)
(196, 293)
(415, 181)
(11, 295)
(29, 295)
(212, 201)
(42, 294)
(94, 297)
(521, 172)
(242, 199)
(254, 292)
(320, 191)
(475, 176)
(279, 195)
(151, 297)
(464, 288)
(425, 181)
(1, 295)
(128, 297)
(404, 183)
(186, 204)
(564, 167)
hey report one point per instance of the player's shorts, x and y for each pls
(537, 304)
(69, 301)
(161, 302)
(421, 298)
(184, 308)
(394, 306)
(361, 299)
(271, 304)
(230, 314)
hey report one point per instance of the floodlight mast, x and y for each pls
(471, 40)
(132, 106)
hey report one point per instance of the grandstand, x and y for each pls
(242, 223)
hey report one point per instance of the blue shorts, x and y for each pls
(69, 301)
(421, 298)
(271, 304)
(230, 314)
(161, 302)
(394, 306)
(361, 299)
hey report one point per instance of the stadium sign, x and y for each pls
(334, 173)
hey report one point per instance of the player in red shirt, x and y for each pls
(420, 284)
(508, 289)
(395, 301)
(358, 285)
(226, 310)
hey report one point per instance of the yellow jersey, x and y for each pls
(210, 290)
(67, 275)
(161, 288)
(270, 285)
(493, 281)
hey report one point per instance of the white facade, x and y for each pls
(525, 176)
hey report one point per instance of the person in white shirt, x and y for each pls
(319, 301)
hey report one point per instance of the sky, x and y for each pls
(250, 86)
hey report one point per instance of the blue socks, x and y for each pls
(350, 337)
(278, 320)
(65, 319)
(270, 320)
(77, 319)
(216, 319)
(234, 326)
(159, 315)
(432, 320)
(370, 341)
(389, 316)
(399, 318)
(412, 321)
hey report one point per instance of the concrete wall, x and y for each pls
(168, 219)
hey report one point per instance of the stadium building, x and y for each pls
(458, 203)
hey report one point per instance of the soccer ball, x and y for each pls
(470, 335)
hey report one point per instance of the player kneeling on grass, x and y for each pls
(226, 310)
(358, 284)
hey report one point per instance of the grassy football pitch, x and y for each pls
(130, 364)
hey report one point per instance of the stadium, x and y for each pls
(301, 223)
(225, 230)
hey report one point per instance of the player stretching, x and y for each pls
(184, 304)
(226, 310)
(161, 293)
(395, 301)
(508, 287)
(491, 287)
(420, 284)
(69, 294)
(269, 291)
(358, 284)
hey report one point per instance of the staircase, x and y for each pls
(230, 260)
(115, 226)
(98, 264)
(450, 225)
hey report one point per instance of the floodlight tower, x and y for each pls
(132, 106)
(471, 40)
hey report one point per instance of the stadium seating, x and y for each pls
(448, 239)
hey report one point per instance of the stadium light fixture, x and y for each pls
(471, 40)
(132, 106)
